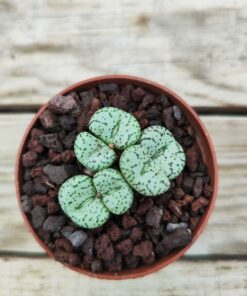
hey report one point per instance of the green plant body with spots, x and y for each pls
(150, 159)
(111, 128)
(93, 153)
(117, 128)
(150, 165)
(88, 201)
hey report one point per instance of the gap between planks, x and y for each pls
(195, 258)
(221, 111)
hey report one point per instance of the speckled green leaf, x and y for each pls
(116, 193)
(156, 138)
(115, 126)
(77, 199)
(88, 201)
(92, 152)
(75, 191)
(150, 165)
(171, 161)
(165, 152)
(93, 214)
(144, 178)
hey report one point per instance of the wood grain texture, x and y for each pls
(227, 229)
(25, 276)
(196, 48)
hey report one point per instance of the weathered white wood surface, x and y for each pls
(29, 276)
(197, 48)
(227, 229)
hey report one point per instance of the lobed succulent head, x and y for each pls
(89, 201)
(111, 128)
(150, 165)
(115, 127)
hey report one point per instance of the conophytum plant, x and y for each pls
(111, 128)
(149, 161)
(156, 159)
(88, 201)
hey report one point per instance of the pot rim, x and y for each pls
(190, 115)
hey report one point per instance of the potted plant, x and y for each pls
(116, 177)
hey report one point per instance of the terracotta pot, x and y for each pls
(203, 140)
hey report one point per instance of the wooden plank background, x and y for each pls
(35, 276)
(197, 48)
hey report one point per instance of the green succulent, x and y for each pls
(115, 127)
(93, 153)
(111, 128)
(88, 201)
(149, 161)
(156, 159)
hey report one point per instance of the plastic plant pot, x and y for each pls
(203, 140)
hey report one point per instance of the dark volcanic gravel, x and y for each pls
(153, 227)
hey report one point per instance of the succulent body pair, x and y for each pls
(150, 158)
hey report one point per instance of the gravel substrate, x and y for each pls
(153, 227)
